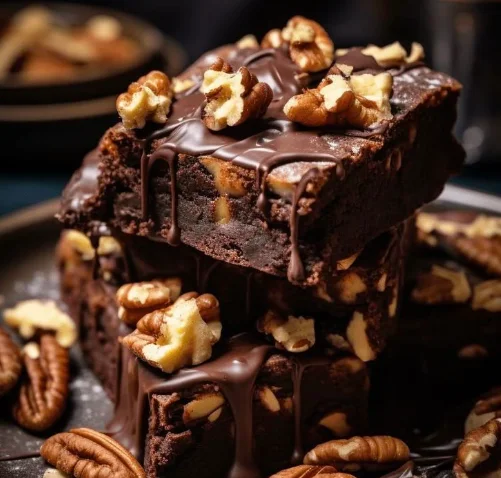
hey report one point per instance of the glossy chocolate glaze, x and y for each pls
(234, 371)
(261, 145)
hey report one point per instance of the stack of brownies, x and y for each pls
(235, 245)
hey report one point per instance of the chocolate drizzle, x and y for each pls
(234, 371)
(261, 146)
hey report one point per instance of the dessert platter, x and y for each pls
(255, 278)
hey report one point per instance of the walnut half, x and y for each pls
(178, 336)
(340, 100)
(232, 98)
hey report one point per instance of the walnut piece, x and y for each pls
(358, 453)
(441, 286)
(87, 453)
(394, 54)
(10, 363)
(137, 299)
(360, 101)
(477, 447)
(273, 39)
(349, 286)
(44, 393)
(32, 316)
(228, 178)
(336, 422)
(268, 398)
(81, 243)
(232, 98)
(356, 333)
(487, 296)
(147, 99)
(179, 85)
(104, 27)
(203, 407)
(294, 334)
(178, 336)
(310, 47)
(247, 41)
(310, 471)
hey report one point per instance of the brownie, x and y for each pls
(257, 424)
(272, 195)
(355, 310)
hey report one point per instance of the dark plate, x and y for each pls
(27, 241)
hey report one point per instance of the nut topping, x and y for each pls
(273, 39)
(85, 453)
(10, 363)
(179, 85)
(202, 407)
(44, 393)
(336, 422)
(232, 98)
(268, 398)
(178, 336)
(476, 448)
(294, 334)
(227, 177)
(137, 299)
(247, 41)
(359, 452)
(81, 243)
(33, 316)
(440, 286)
(310, 471)
(148, 99)
(356, 333)
(310, 46)
(487, 296)
(359, 101)
(394, 54)
(349, 286)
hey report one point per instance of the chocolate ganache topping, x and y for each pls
(261, 145)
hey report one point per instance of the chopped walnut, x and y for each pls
(148, 99)
(310, 46)
(81, 243)
(178, 336)
(32, 316)
(232, 98)
(294, 334)
(359, 101)
(247, 41)
(440, 286)
(356, 333)
(394, 54)
(179, 85)
(273, 39)
(487, 296)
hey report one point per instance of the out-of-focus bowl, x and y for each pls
(54, 124)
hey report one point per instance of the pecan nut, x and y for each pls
(441, 286)
(294, 334)
(477, 448)
(34, 316)
(484, 252)
(310, 471)
(359, 453)
(10, 363)
(147, 99)
(343, 100)
(44, 392)
(177, 336)
(232, 98)
(86, 453)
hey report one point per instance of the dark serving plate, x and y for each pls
(27, 242)
(64, 120)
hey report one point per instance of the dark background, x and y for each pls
(459, 37)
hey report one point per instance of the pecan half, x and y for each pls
(44, 391)
(232, 98)
(310, 471)
(10, 363)
(294, 334)
(341, 100)
(359, 452)
(180, 335)
(85, 453)
(147, 99)
(476, 449)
